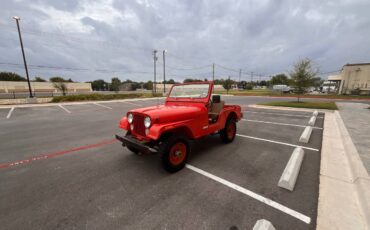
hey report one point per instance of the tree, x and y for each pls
(116, 83)
(9, 76)
(227, 84)
(303, 76)
(99, 85)
(39, 79)
(280, 79)
(188, 80)
(57, 79)
(61, 86)
(171, 81)
(148, 85)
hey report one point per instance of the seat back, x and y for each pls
(217, 107)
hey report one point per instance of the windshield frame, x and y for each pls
(191, 99)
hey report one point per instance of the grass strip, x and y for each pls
(306, 104)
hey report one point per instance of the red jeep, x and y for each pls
(189, 112)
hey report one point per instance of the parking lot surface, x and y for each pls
(60, 168)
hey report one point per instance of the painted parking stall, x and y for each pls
(242, 176)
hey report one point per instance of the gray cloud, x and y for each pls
(265, 37)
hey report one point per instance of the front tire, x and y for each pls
(227, 134)
(175, 151)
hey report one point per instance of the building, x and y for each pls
(353, 79)
(41, 87)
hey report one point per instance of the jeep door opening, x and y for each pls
(190, 112)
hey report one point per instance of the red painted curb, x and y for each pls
(51, 155)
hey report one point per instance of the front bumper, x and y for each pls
(134, 143)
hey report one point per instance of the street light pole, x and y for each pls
(155, 70)
(164, 71)
(24, 57)
(213, 72)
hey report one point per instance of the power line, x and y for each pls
(76, 69)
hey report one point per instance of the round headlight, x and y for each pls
(147, 122)
(130, 118)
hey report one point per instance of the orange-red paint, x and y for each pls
(188, 113)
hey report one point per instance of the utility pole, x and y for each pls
(155, 70)
(24, 57)
(213, 72)
(164, 71)
(240, 77)
(252, 77)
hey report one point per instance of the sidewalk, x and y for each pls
(356, 118)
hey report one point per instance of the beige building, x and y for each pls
(22, 87)
(353, 77)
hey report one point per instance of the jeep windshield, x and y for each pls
(190, 91)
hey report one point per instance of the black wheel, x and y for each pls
(175, 151)
(227, 135)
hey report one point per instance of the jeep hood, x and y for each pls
(170, 113)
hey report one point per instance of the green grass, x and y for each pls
(308, 104)
(101, 97)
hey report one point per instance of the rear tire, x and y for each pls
(175, 151)
(227, 134)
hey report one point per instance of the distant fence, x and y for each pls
(16, 95)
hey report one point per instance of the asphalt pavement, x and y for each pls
(60, 168)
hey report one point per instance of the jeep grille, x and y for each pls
(138, 122)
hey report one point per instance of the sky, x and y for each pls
(100, 39)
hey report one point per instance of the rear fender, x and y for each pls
(233, 112)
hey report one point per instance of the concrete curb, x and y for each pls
(306, 134)
(312, 121)
(263, 224)
(291, 171)
(77, 103)
(315, 113)
(360, 177)
(344, 196)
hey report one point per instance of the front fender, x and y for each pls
(157, 130)
(123, 124)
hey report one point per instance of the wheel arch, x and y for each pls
(183, 130)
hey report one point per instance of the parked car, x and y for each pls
(190, 112)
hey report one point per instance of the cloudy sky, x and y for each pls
(90, 39)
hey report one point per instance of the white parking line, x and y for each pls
(280, 114)
(61, 106)
(253, 195)
(135, 104)
(278, 123)
(104, 106)
(10, 113)
(277, 142)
